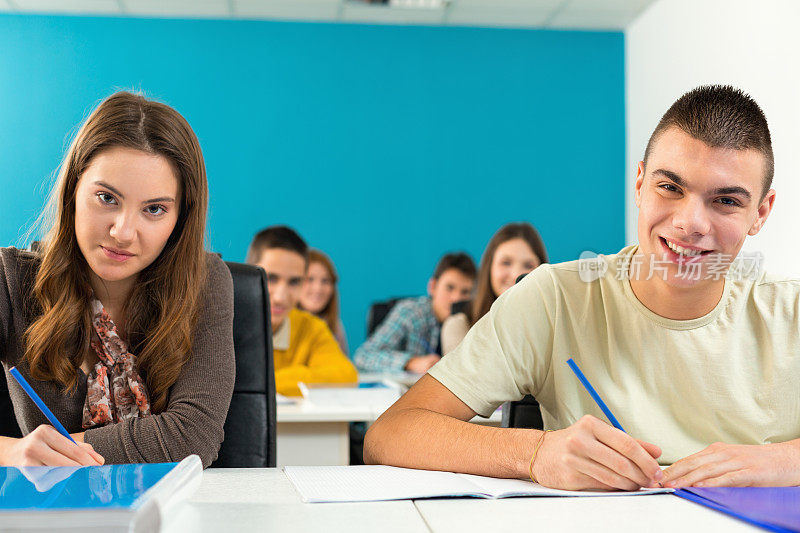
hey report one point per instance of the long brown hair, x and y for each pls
(484, 294)
(163, 306)
(330, 313)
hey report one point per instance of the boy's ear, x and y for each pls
(431, 286)
(639, 182)
(764, 209)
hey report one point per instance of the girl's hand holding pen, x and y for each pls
(45, 446)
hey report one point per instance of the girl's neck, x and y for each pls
(112, 294)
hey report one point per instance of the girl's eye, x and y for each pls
(155, 210)
(106, 198)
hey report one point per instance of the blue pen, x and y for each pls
(39, 403)
(596, 397)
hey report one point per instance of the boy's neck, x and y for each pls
(678, 303)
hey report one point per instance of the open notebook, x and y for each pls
(321, 484)
(130, 497)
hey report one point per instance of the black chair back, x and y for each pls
(8, 422)
(525, 413)
(251, 424)
(461, 306)
(378, 312)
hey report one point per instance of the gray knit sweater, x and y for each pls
(198, 401)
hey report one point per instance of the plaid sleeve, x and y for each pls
(386, 349)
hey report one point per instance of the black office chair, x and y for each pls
(461, 306)
(378, 311)
(8, 422)
(250, 428)
(525, 413)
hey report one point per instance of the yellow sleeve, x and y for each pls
(326, 364)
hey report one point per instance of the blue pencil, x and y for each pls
(39, 403)
(596, 397)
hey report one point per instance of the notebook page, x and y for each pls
(505, 488)
(317, 484)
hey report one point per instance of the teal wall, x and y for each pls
(383, 145)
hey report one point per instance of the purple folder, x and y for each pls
(773, 508)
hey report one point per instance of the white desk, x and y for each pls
(263, 499)
(621, 514)
(310, 434)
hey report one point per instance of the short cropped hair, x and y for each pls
(458, 260)
(282, 237)
(722, 117)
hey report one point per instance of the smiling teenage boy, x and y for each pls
(304, 348)
(698, 361)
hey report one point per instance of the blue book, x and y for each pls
(130, 497)
(773, 508)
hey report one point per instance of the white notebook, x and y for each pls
(321, 484)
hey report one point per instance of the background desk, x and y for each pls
(263, 499)
(310, 434)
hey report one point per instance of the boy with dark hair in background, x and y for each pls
(408, 338)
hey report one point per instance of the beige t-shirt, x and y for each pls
(732, 375)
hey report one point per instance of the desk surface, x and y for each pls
(263, 499)
(304, 411)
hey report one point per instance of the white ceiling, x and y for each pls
(567, 14)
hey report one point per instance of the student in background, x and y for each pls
(320, 295)
(408, 338)
(120, 320)
(694, 351)
(304, 347)
(514, 250)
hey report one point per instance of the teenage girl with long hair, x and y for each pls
(320, 294)
(514, 250)
(120, 320)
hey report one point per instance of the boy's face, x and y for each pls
(696, 206)
(286, 271)
(451, 287)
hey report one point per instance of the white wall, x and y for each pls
(676, 45)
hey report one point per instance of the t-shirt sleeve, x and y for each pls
(506, 354)
(198, 402)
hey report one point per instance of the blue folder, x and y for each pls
(773, 508)
(116, 496)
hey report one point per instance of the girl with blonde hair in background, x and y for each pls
(320, 294)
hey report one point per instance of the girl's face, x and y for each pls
(318, 288)
(126, 206)
(511, 259)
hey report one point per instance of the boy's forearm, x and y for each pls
(419, 438)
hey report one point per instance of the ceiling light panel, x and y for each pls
(178, 8)
(88, 7)
(287, 9)
(384, 14)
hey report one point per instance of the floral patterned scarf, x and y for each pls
(116, 391)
